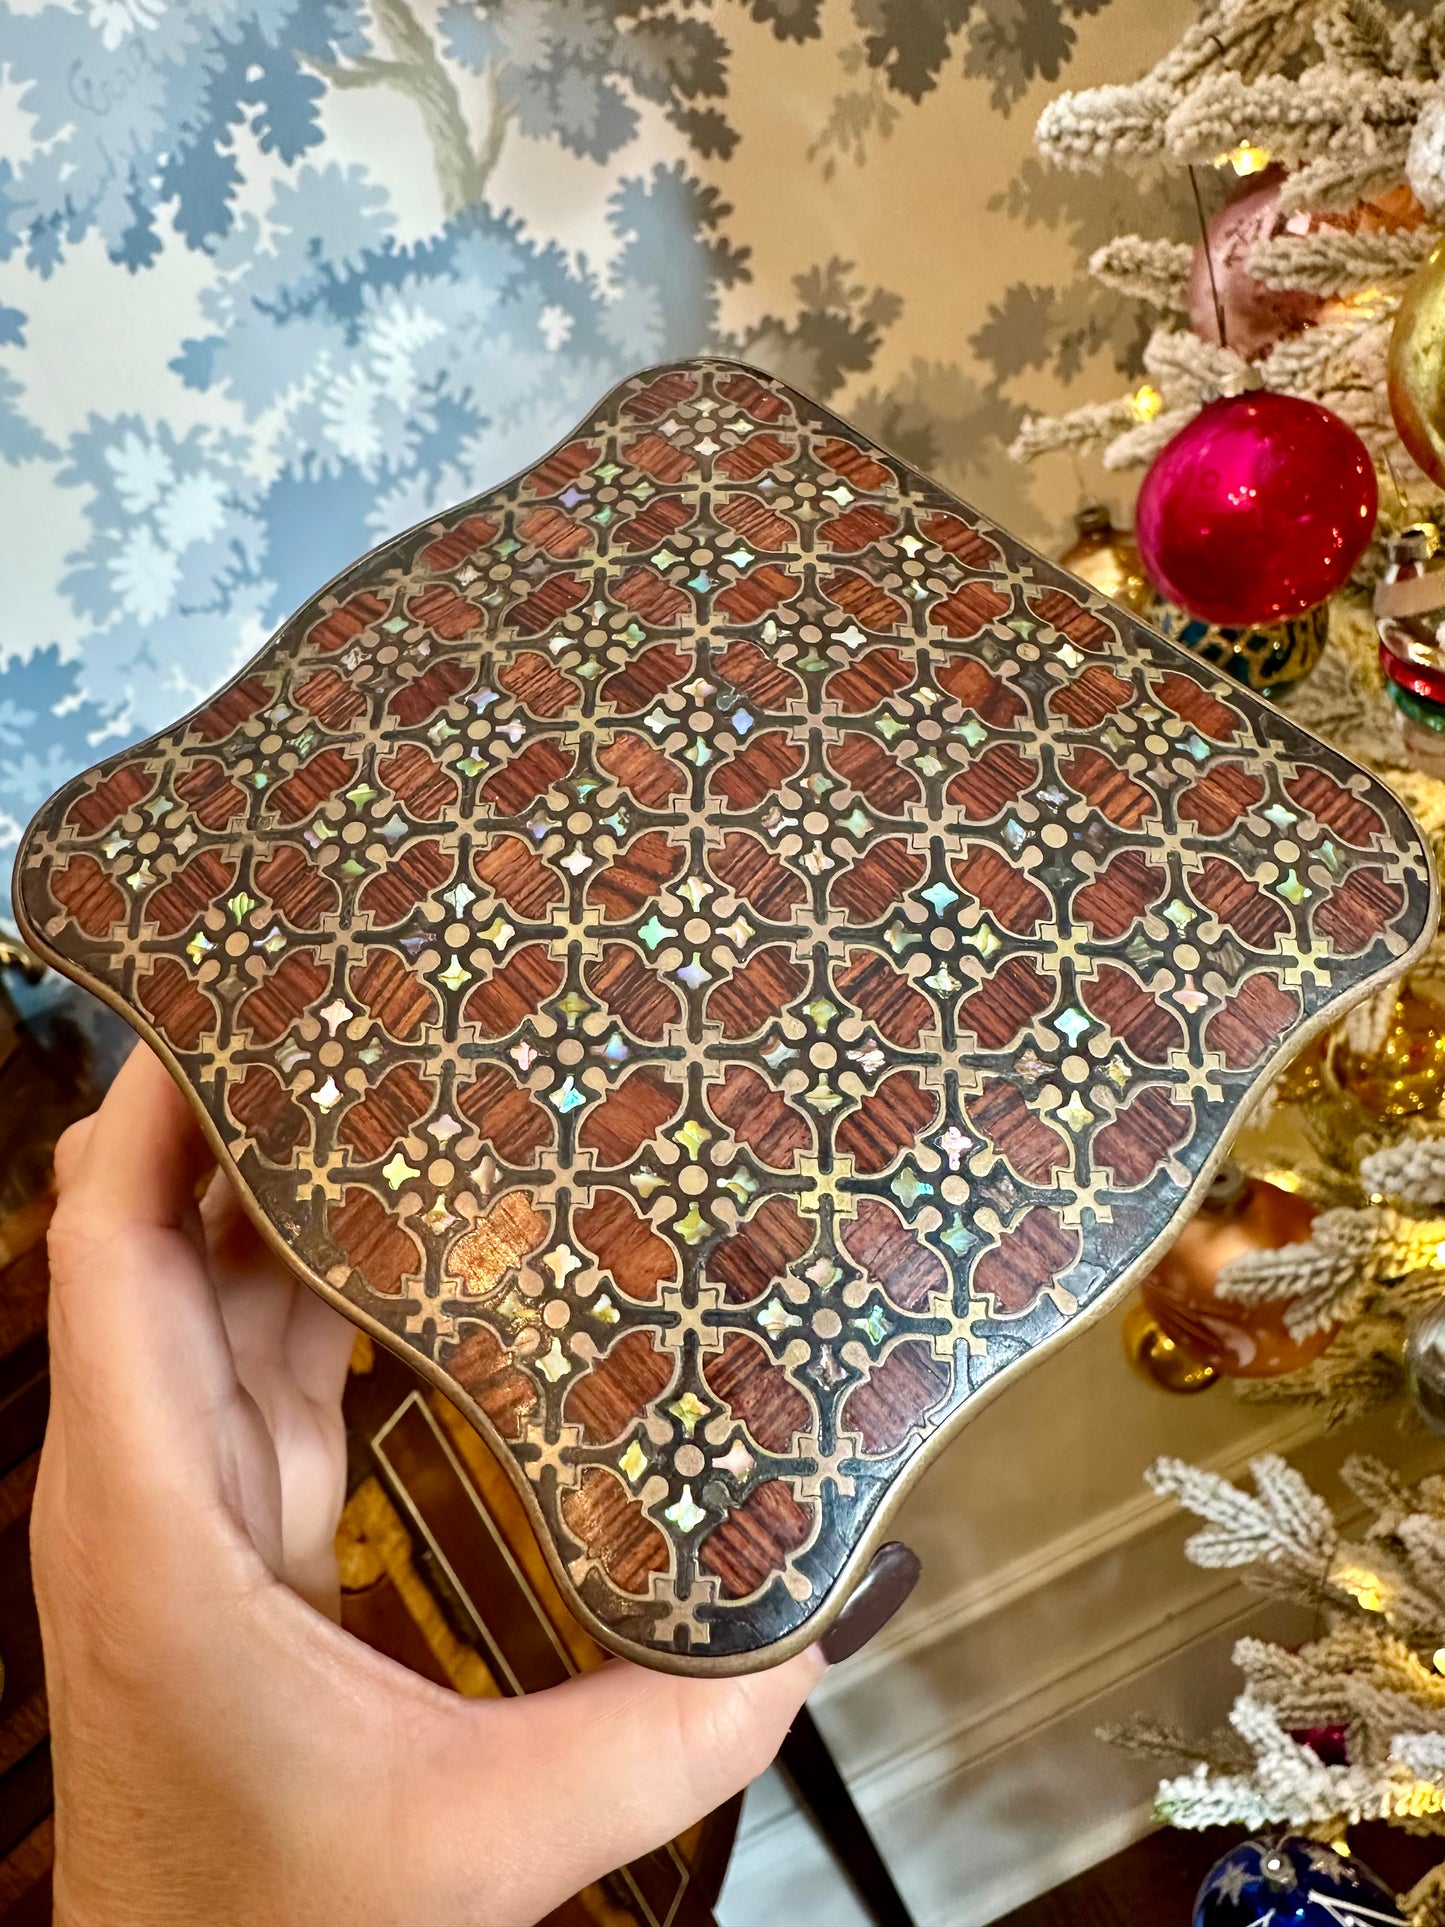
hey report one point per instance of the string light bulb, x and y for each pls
(1363, 304)
(1146, 402)
(1246, 158)
(1416, 1801)
(1365, 1588)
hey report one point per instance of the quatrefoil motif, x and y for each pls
(721, 956)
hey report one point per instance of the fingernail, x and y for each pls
(891, 1576)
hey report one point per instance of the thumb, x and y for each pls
(629, 1756)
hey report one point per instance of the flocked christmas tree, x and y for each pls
(1351, 1725)
(1357, 117)
(1312, 137)
(1318, 130)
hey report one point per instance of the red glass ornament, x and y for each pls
(1257, 510)
(1422, 678)
(1330, 1744)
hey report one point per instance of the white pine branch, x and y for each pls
(1357, 1676)
(1289, 1785)
(1332, 261)
(1425, 157)
(1321, 1279)
(1283, 1518)
(1222, 1750)
(1180, 361)
(1411, 1172)
(1423, 1753)
(1424, 1905)
(1370, 1673)
(1079, 428)
(1359, 1371)
(1322, 114)
(1334, 183)
(1417, 45)
(1357, 37)
(1244, 36)
(1422, 1562)
(1201, 1799)
(1089, 130)
(1154, 272)
(1379, 1488)
(1141, 442)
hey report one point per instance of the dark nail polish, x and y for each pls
(891, 1576)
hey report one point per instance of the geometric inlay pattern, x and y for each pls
(719, 954)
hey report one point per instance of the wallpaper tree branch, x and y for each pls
(279, 277)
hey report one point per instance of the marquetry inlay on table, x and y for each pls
(720, 954)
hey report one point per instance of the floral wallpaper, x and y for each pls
(280, 277)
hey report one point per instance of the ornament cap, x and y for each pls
(1276, 1869)
(1160, 1358)
(1417, 543)
(1229, 1190)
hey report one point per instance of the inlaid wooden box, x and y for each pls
(720, 955)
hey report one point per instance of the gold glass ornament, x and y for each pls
(1406, 1075)
(1267, 658)
(1182, 1291)
(1150, 1350)
(1106, 558)
(1305, 1076)
(1416, 369)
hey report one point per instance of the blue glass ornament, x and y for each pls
(1293, 1882)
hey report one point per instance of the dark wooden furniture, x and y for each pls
(54, 1062)
(820, 1789)
(436, 1548)
(440, 1567)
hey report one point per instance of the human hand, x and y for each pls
(224, 1753)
